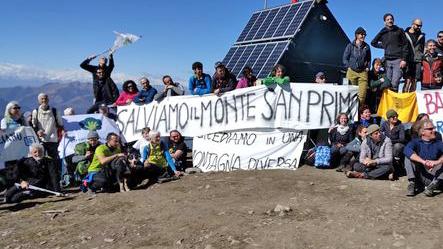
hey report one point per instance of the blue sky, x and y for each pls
(50, 38)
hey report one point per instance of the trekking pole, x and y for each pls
(42, 190)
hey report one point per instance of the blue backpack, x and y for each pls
(322, 157)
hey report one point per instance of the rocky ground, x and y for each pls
(306, 208)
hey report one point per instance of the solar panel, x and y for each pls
(286, 20)
(298, 18)
(276, 22)
(229, 55)
(261, 58)
(248, 27)
(272, 60)
(265, 38)
(258, 23)
(261, 31)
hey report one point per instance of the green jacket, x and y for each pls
(270, 80)
(79, 157)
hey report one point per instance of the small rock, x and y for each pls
(311, 183)
(109, 240)
(233, 241)
(221, 213)
(251, 212)
(193, 170)
(179, 242)
(207, 186)
(281, 208)
(43, 242)
(209, 247)
(269, 212)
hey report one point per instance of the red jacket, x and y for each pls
(431, 65)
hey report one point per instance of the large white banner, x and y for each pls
(15, 144)
(431, 103)
(248, 150)
(77, 128)
(296, 106)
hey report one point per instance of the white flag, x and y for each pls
(123, 39)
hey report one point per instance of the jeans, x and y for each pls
(416, 171)
(374, 172)
(394, 72)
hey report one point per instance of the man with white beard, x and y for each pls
(36, 170)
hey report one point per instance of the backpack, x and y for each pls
(322, 157)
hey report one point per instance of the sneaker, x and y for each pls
(411, 189)
(429, 190)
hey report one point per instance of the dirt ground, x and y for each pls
(233, 210)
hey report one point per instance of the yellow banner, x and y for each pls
(405, 104)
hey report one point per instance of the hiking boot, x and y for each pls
(340, 168)
(429, 190)
(354, 174)
(411, 189)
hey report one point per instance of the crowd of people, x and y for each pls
(369, 148)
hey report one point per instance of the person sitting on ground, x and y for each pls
(157, 160)
(222, 81)
(320, 78)
(432, 63)
(104, 88)
(424, 159)
(171, 89)
(364, 112)
(415, 126)
(375, 161)
(84, 152)
(108, 164)
(339, 136)
(104, 109)
(199, 83)
(178, 149)
(378, 82)
(142, 142)
(277, 76)
(128, 94)
(352, 150)
(146, 95)
(248, 79)
(13, 117)
(395, 130)
(36, 170)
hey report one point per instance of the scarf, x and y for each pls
(342, 129)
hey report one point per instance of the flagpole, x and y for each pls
(266, 4)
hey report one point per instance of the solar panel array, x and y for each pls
(265, 38)
(260, 57)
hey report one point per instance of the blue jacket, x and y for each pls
(201, 86)
(147, 151)
(357, 58)
(145, 96)
(432, 150)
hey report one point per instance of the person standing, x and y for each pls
(105, 90)
(416, 45)
(357, 58)
(393, 40)
(432, 64)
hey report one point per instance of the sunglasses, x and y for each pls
(429, 129)
(16, 107)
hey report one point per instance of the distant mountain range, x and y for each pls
(61, 95)
(77, 95)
